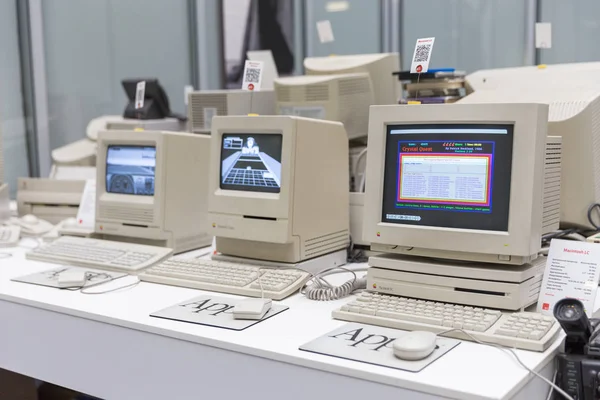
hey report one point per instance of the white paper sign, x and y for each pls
(140, 93)
(422, 55)
(86, 214)
(187, 89)
(269, 68)
(543, 35)
(325, 31)
(571, 271)
(253, 71)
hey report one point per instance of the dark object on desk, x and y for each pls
(14, 386)
(578, 369)
(156, 102)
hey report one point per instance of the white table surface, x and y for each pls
(108, 346)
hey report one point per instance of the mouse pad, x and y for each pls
(213, 311)
(373, 345)
(50, 277)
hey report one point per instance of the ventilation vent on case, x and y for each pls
(559, 111)
(318, 92)
(326, 244)
(201, 101)
(354, 100)
(552, 171)
(595, 108)
(126, 214)
(283, 93)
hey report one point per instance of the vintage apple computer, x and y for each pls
(573, 115)
(278, 197)
(380, 67)
(455, 196)
(205, 104)
(345, 98)
(151, 188)
(151, 201)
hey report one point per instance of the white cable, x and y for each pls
(82, 290)
(357, 162)
(322, 290)
(552, 387)
(511, 351)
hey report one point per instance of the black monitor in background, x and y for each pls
(156, 102)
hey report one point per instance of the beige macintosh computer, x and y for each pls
(345, 98)
(205, 104)
(573, 116)
(151, 201)
(278, 197)
(455, 198)
(380, 67)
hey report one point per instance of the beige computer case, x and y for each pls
(345, 98)
(309, 217)
(205, 104)
(380, 67)
(574, 115)
(176, 216)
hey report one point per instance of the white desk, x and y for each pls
(108, 346)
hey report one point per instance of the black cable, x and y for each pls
(355, 255)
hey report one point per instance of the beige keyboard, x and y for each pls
(227, 277)
(100, 254)
(521, 330)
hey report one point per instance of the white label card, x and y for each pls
(422, 55)
(140, 93)
(269, 73)
(187, 89)
(325, 31)
(253, 71)
(571, 271)
(86, 214)
(543, 35)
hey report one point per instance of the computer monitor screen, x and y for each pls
(130, 170)
(448, 175)
(251, 162)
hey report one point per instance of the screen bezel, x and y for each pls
(529, 138)
(242, 188)
(108, 146)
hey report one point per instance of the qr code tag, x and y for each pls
(140, 93)
(422, 55)
(253, 71)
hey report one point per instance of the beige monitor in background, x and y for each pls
(278, 188)
(205, 104)
(574, 115)
(460, 182)
(345, 98)
(380, 67)
(151, 188)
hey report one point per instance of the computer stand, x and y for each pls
(313, 266)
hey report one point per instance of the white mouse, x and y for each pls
(414, 345)
(251, 308)
(30, 219)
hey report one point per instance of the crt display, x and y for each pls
(130, 170)
(450, 175)
(251, 162)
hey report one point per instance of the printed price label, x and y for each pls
(543, 35)
(253, 71)
(140, 93)
(571, 271)
(422, 55)
(325, 31)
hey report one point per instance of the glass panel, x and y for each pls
(92, 44)
(12, 122)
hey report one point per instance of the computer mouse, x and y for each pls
(415, 345)
(251, 308)
(30, 219)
